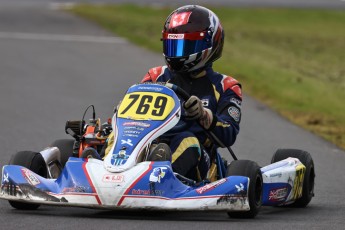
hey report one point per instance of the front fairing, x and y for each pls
(148, 185)
(147, 111)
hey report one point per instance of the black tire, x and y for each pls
(66, 149)
(309, 177)
(252, 170)
(33, 161)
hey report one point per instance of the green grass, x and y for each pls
(292, 60)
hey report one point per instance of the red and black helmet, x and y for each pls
(192, 39)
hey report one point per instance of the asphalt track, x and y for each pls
(52, 65)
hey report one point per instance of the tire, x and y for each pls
(252, 170)
(33, 161)
(309, 177)
(66, 149)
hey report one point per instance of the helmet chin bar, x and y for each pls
(186, 65)
(176, 64)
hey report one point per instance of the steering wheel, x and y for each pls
(182, 125)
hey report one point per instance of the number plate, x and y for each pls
(145, 106)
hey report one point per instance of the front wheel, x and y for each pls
(309, 176)
(252, 170)
(33, 161)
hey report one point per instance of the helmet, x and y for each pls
(192, 39)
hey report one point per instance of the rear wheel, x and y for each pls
(33, 161)
(252, 170)
(66, 149)
(309, 177)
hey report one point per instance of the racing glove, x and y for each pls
(195, 111)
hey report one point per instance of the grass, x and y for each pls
(292, 60)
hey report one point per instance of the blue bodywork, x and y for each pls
(75, 181)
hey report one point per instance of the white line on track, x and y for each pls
(59, 5)
(61, 37)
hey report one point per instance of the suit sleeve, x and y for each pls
(226, 123)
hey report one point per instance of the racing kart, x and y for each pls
(127, 179)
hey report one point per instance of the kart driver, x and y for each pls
(192, 40)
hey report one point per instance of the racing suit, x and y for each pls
(219, 93)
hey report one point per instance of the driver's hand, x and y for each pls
(195, 111)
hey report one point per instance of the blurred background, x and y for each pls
(288, 54)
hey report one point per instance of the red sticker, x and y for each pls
(179, 19)
(278, 194)
(113, 178)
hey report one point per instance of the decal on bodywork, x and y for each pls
(210, 186)
(155, 177)
(111, 178)
(30, 177)
(298, 182)
(278, 194)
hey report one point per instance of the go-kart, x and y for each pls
(127, 179)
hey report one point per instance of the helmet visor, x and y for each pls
(180, 45)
